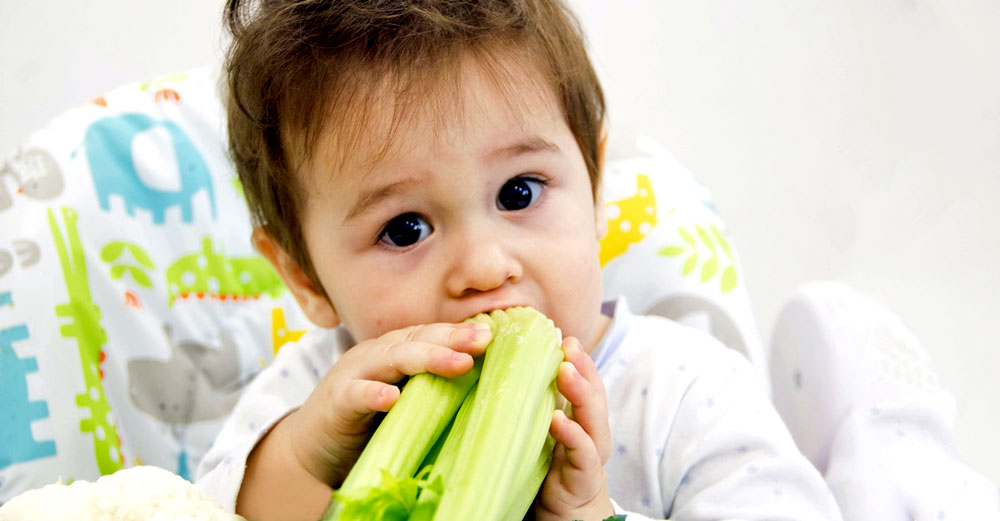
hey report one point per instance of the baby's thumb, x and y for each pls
(365, 397)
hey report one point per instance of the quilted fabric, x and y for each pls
(132, 305)
(668, 251)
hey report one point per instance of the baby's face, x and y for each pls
(487, 208)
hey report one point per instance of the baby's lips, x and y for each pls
(485, 309)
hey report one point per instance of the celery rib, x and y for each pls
(473, 447)
(513, 406)
(406, 435)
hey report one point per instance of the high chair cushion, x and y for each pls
(669, 253)
(133, 307)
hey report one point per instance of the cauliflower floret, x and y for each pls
(144, 493)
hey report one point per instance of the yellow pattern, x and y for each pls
(280, 335)
(629, 220)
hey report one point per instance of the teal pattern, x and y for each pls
(182, 465)
(17, 444)
(108, 143)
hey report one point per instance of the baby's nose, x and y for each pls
(482, 266)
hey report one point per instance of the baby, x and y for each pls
(411, 164)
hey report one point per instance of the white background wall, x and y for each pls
(856, 140)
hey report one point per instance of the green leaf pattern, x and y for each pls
(709, 268)
(722, 241)
(140, 256)
(690, 264)
(718, 251)
(688, 238)
(114, 249)
(728, 279)
(705, 238)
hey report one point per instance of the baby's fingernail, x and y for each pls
(458, 357)
(482, 332)
(574, 372)
(572, 346)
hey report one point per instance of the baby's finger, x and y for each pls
(577, 447)
(362, 398)
(574, 354)
(443, 349)
(410, 358)
(590, 408)
(466, 337)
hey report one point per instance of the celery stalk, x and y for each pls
(508, 423)
(430, 496)
(424, 409)
(445, 462)
(486, 462)
(531, 475)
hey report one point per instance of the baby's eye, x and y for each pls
(405, 230)
(519, 193)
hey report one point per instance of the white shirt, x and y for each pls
(694, 436)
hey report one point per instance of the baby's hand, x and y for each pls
(332, 427)
(576, 486)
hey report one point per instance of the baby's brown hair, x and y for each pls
(296, 68)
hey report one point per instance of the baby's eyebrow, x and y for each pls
(526, 145)
(368, 198)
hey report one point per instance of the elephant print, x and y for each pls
(197, 383)
(108, 143)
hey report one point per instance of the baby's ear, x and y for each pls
(600, 218)
(311, 299)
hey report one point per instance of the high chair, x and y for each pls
(133, 307)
